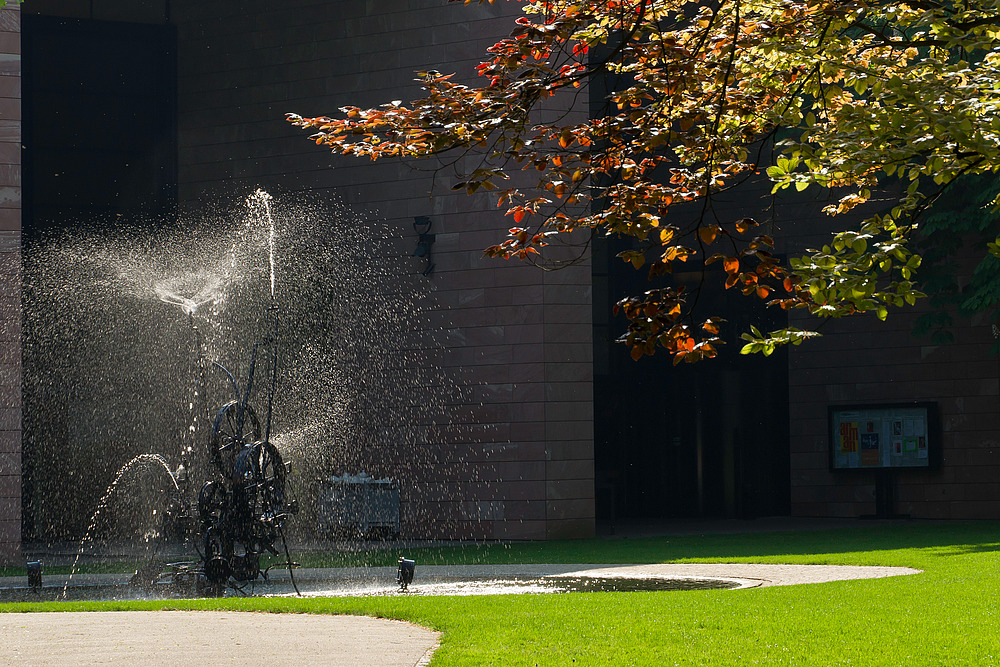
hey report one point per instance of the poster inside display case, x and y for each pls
(884, 436)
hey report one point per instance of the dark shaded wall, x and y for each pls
(100, 139)
(514, 456)
(99, 149)
(864, 361)
(860, 360)
(702, 440)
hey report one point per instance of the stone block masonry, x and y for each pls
(515, 458)
(10, 284)
(863, 361)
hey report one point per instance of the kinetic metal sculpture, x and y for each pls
(242, 512)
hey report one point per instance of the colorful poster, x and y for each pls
(848, 437)
(869, 449)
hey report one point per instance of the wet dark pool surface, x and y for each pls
(535, 585)
(437, 585)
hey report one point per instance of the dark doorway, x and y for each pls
(696, 440)
(704, 440)
(99, 143)
(99, 121)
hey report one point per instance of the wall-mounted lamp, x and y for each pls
(422, 226)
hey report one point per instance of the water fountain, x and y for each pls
(153, 394)
(129, 342)
(243, 510)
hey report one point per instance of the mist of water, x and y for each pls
(123, 329)
(142, 492)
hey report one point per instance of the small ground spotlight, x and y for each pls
(35, 574)
(404, 574)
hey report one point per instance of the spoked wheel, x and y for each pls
(213, 503)
(271, 476)
(218, 553)
(245, 563)
(259, 493)
(228, 438)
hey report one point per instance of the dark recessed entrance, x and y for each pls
(99, 120)
(99, 138)
(702, 440)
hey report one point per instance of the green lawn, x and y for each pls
(949, 615)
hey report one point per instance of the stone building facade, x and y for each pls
(519, 337)
(867, 362)
(517, 457)
(528, 344)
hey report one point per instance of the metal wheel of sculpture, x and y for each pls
(218, 550)
(242, 516)
(259, 487)
(270, 480)
(213, 503)
(229, 436)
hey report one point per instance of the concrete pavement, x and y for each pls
(199, 638)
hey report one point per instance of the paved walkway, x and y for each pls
(200, 638)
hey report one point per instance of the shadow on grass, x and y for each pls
(953, 538)
(941, 539)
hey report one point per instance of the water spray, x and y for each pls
(241, 511)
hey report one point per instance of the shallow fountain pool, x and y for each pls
(519, 585)
(460, 580)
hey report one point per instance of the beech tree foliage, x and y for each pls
(894, 97)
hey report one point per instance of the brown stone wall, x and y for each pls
(516, 458)
(863, 361)
(10, 284)
(860, 360)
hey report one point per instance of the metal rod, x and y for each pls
(201, 389)
(241, 407)
(288, 560)
(274, 373)
(232, 379)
